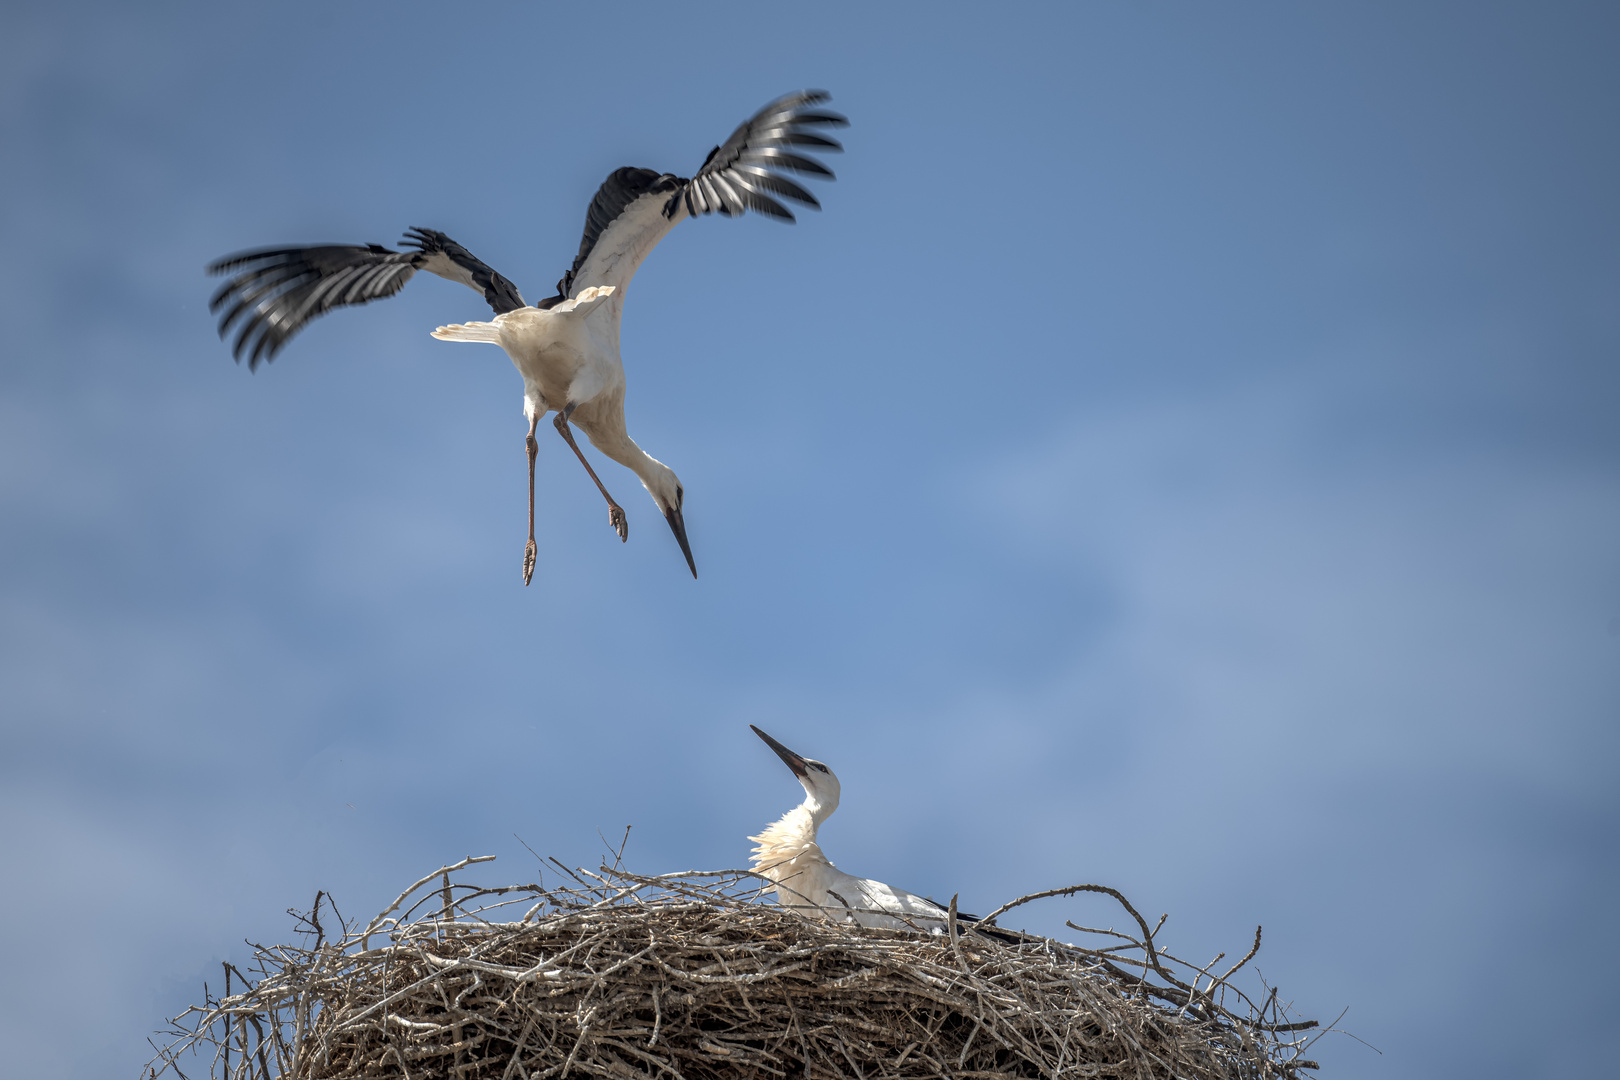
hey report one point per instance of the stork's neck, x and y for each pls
(816, 810)
(605, 428)
(789, 841)
(644, 465)
(800, 824)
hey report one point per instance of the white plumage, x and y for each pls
(566, 347)
(806, 880)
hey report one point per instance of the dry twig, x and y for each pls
(690, 976)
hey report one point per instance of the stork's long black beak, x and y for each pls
(794, 761)
(677, 525)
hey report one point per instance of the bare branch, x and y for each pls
(690, 976)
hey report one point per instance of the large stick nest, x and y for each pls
(690, 976)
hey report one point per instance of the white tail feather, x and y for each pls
(490, 332)
(472, 331)
(585, 300)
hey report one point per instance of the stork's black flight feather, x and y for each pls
(438, 249)
(276, 291)
(744, 172)
(569, 366)
(621, 188)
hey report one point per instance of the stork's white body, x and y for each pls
(572, 356)
(807, 881)
(566, 347)
(568, 354)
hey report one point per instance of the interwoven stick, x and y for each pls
(690, 976)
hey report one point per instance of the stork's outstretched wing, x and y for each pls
(634, 208)
(625, 221)
(274, 292)
(744, 172)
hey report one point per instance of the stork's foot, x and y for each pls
(620, 523)
(530, 553)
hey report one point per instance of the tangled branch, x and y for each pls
(692, 976)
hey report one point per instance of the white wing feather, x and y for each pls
(626, 242)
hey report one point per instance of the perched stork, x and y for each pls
(807, 881)
(566, 347)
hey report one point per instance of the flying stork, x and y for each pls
(807, 881)
(566, 347)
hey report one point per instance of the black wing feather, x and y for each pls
(785, 137)
(782, 159)
(621, 188)
(769, 181)
(276, 292)
(737, 174)
(499, 293)
(835, 119)
(731, 204)
(740, 175)
(756, 199)
(279, 290)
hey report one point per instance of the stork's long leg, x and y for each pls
(530, 552)
(616, 518)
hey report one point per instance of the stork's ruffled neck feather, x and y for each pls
(787, 845)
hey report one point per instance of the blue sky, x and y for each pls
(1182, 456)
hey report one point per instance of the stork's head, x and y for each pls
(665, 488)
(820, 783)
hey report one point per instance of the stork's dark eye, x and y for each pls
(817, 765)
(680, 495)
